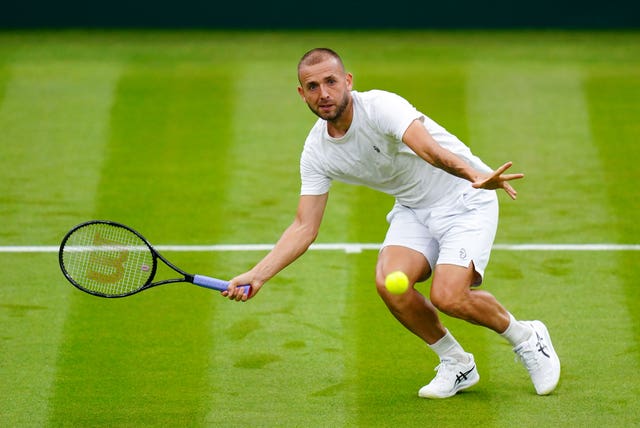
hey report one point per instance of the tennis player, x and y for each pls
(443, 222)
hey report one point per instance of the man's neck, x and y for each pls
(338, 127)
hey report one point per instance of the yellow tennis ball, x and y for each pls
(396, 282)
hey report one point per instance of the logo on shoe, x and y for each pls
(463, 375)
(542, 348)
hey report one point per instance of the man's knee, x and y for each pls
(445, 299)
(452, 298)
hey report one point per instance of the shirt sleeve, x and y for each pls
(314, 180)
(393, 114)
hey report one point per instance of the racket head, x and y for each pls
(107, 259)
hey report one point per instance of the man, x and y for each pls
(443, 222)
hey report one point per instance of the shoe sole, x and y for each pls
(555, 361)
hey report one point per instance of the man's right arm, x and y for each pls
(295, 240)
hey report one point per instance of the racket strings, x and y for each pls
(107, 259)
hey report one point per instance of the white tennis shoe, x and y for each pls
(452, 376)
(539, 358)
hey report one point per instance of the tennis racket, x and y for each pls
(109, 259)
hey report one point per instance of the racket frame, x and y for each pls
(200, 280)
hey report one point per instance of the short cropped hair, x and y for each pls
(317, 55)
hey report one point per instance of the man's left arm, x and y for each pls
(418, 138)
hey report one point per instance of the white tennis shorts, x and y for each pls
(458, 234)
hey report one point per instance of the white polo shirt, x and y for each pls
(372, 154)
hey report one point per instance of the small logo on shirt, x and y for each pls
(463, 254)
(376, 149)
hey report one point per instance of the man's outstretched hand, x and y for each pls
(498, 180)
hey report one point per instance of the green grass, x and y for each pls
(194, 138)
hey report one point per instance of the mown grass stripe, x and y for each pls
(613, 95)
(51, 113)
(514, 103)
(4, 79)
(514, 122)
(51, 126)
(510, 122)
(132, 353)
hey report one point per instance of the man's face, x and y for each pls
(326, 89)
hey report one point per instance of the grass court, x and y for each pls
(194, 138)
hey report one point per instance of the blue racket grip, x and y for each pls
(216, 284)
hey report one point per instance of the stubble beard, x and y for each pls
(340, 108)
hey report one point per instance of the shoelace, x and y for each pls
(446, 370)
(444, 367)
(527, 355)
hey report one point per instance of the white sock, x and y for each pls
(517, 332)
(448, 346)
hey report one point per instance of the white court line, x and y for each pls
(346, 247)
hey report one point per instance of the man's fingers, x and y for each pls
(509, 177)
(236, 292)
(510, 190)
(503, 168)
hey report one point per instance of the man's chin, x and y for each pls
(326, 115)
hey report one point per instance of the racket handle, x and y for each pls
(215, 284)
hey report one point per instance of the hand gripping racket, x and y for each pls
(109, 259)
